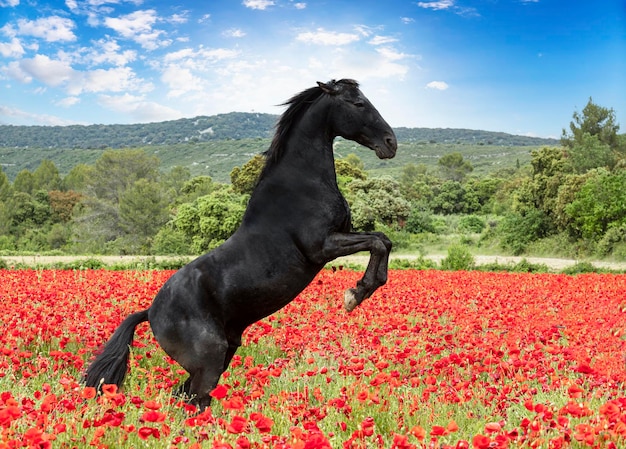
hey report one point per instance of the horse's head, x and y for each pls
(355, 118)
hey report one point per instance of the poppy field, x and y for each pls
(434, 359)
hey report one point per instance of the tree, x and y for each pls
(143, 210)
(539, 192)
(594, 121)
(449, 199)
(453, 167)
(211, 219)
(600, 204)
(174, 181)
(117, 170)
(244, 179)
(78, 177)
(377, 200)
(5, 186)
(46, 176)
(62, 205)
(593, 140)
(197, 187)
(24, 182)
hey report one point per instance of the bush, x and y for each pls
(169, 241)
(83, 264)
(518, 231)
(459, 258)
(421, 263)
(471, 223)
(581, 267)
(420, 221)
(611, 239)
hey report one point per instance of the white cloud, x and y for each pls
(300, 5)
(441, 5)
(187, 70)
(57, 73)
(68, 101)
(200, 56)
(234, 32)
(258, 4)
(391, 54)
(10, 3)
(140, 109)
(11, 49)
(323, 37)
(381, 40)
(437, 5)
(18, 116)
(179, 18)
(437, 85)
(180, 81)
(51, 29)
(117, 79)
(407, 20)
(137, 26)
(108, 51)
(50, 72)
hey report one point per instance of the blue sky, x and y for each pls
(517, 66)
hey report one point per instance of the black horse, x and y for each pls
(296, 222)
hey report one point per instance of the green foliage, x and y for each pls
(472, 223)
(115, 171)
(211, 219)
(594, 120)
(420, 221)
(614, 237)
(454, 167)
(171, 241)
(517, 231)
(589, 153)
(580, 268)
(376, 199)
(523, 266)
(419, 263)
(449, 198)
(599, 205)
(24, 182)
(244, 179)
(143, 209)
(458, 258)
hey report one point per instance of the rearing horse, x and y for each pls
(296, 222)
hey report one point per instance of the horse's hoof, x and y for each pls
(349, 300)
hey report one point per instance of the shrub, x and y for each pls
(459, 258)
(471, 223)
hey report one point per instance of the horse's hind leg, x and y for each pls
(201, 348)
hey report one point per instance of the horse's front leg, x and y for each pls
(379, 246)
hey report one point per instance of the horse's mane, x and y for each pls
(297, 105)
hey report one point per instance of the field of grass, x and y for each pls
(434, 359)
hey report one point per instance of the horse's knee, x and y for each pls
(385, 240)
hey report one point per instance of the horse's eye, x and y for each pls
(359, 104)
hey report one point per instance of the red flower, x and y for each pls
(219, 392)
(146, 432)
(481, 442)
(238, 424)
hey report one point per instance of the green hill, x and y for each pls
(214, 145)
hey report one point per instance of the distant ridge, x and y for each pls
(231, 126)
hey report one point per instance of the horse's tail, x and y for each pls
(110, 366)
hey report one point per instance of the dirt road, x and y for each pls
(361, 259)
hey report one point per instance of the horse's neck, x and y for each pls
(310, 151)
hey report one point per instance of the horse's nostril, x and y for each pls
(391, 142)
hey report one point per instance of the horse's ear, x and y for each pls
(329, 88)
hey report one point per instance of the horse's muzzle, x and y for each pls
(389, 147)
